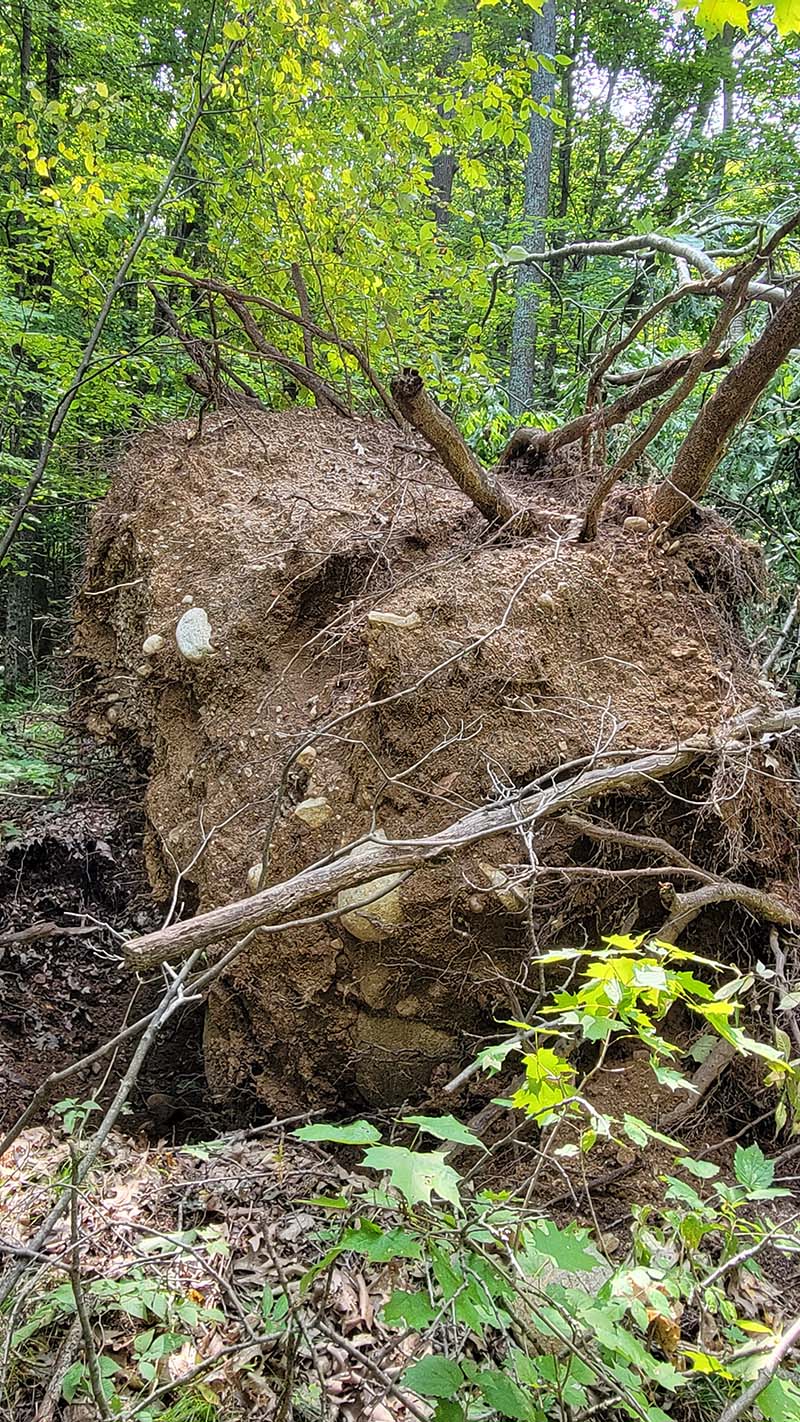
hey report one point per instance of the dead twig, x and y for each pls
(89, 1346)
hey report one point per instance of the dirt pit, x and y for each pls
(339, 587)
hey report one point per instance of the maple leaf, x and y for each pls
(416, 1174)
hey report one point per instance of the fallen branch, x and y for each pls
(484, 490)
(682, 908)
(695, 257)
(651, 384)
(532, 803)
(634, 377)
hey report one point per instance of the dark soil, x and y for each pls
(78, 864)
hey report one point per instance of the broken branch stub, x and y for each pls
(483, 489)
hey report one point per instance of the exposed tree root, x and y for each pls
(531, 804)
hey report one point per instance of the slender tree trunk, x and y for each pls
(445, 164)
(728, 111)
(730, 404)
(677, 178)
(522, 370)
(564, 172)
(18, 639)
(25, 49)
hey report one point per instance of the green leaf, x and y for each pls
(680, 1190)
(445, 1128)
(714, 15)
(752, 1169)
(491, 1059)
(380, 1245)
(447, 1411)
(570, 1248)
(703, 1169)
(634, 1130)
(503, 1394)
(780, 1401)
(416, 1174)
(72, 1380)
(358, 1133)
(412, 1309)
(434, 1377)
(787, 16)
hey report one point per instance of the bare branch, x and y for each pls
(312, 327)
(730, 404)
(301, 373)
(780, 641)
(737, 297)
(695, 258)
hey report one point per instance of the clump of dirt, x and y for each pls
(351, 593)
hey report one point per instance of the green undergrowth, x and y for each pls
(468, 1303)
(31, 738)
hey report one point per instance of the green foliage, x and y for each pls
(569, 1320)
(30, 739)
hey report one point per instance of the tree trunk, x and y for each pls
(564, 171)
(445, 164)
(522, 370)
(18, 641)
(730, 404)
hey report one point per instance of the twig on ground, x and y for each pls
(89, 1347)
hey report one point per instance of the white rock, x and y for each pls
(152, 644)
(510, 895)
(394, 619)
(187, 600)
(636, 524)
(193, 635)
(254, 875)
(546, 599)
(306, 757)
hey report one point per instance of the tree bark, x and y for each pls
(522, 372)
(730, 404)
(484, 490)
